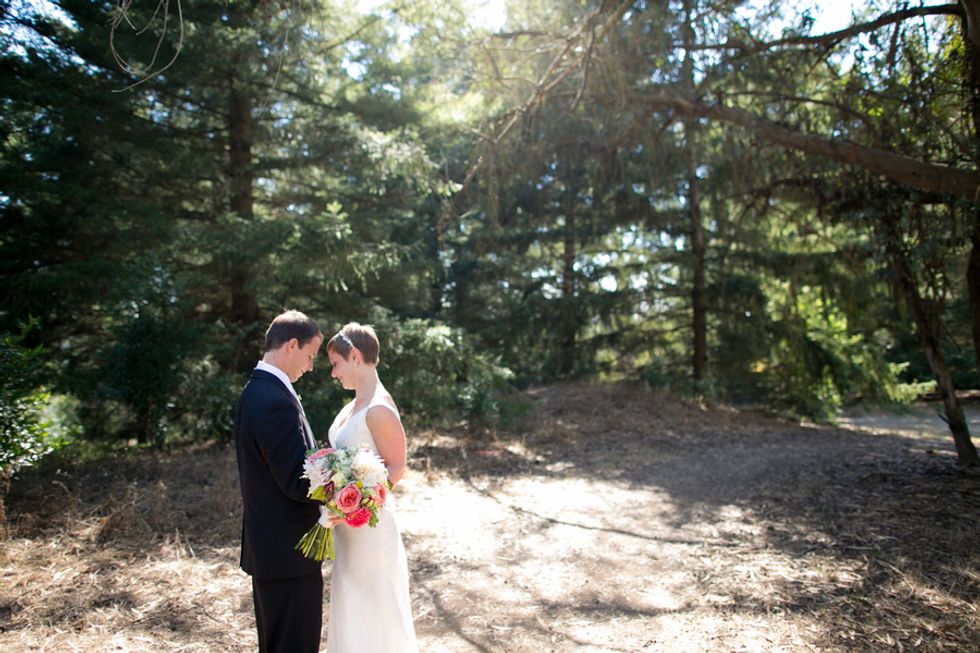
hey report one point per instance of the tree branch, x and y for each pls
(832, 38)
(545, 84)
(906, 170)
(972, 8)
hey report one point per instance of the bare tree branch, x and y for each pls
(907, 170)
(122, 16)
(586, 64)
(519, 34)
(551, 78)
(832, 38)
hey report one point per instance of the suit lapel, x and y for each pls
(308, 439)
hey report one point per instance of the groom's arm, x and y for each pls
(279, 435)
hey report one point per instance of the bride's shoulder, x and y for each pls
(384, 401)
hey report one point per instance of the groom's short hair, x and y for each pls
(288, 325)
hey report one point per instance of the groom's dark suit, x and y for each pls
(271, 438)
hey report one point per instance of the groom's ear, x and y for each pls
(292, 345)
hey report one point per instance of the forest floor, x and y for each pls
(618, 519)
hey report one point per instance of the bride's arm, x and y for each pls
(389, 437)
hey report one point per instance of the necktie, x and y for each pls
(307, 431)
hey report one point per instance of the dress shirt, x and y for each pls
(279, 374)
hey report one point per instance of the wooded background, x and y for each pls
(705, 195)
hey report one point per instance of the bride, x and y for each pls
(370, 610)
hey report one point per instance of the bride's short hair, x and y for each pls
(361, 336)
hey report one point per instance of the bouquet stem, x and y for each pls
(317, 543)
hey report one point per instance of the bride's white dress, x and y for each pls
(370, 609)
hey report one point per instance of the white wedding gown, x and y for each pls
(370, 609)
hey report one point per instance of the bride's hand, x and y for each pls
(332, 518)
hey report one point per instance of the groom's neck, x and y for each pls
(272, 358)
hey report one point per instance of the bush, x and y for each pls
(203, 405)
(817, 363)
(145, 367)
(26, 435)
(433, 370)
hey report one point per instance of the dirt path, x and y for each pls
(621, 520)
(630, 522)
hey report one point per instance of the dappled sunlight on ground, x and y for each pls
(653, 524)
(579, 564)
(920, 421)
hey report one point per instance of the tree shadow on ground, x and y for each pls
(866, 539)
(880, 530)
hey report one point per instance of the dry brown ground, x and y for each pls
(618, 520)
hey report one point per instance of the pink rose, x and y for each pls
(321, 453)
(380, 494)
(358, 518)
(349, 499)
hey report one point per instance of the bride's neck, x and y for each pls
(368, 385)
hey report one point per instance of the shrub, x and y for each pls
(145, 367)
(202, 406)
(26, 435)
(434, 370)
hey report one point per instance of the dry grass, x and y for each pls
(618, 520)
(126, 556)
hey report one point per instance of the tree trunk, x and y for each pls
(4, 491)
(244, 306)
(972, 73)
(972, 8)
(698, 297)
(927, 328)
(698, 293)
(973, 286)
(437, 280)
(461, 273)
(569, 322)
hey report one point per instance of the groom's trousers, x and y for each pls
(289, 613)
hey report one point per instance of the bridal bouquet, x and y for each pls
(352, 484)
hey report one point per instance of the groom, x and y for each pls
(271, 439)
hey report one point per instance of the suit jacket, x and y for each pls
(270, 444)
